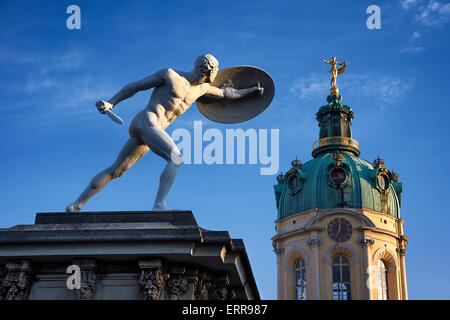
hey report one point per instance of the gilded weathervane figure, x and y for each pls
(334, 73)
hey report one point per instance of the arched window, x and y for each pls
(335, 127)
(383, 293)
(341, 279)
(300, 280)
(344, 128)
(325, 129)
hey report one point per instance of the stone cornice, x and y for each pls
(296, 231)
(378, 230)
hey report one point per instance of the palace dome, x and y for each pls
(336, 177)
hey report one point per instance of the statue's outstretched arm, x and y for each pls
(154, 80)
(326, 61)
(231, 93)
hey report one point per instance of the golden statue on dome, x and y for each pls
(334, 73)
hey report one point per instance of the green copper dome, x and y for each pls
(337, 177)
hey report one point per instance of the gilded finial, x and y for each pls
(337, 157)
(394, 175)
(334, 73)
(378, 162)
(296, 163)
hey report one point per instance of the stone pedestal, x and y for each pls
(122, 255)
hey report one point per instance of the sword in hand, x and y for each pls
(105, 107)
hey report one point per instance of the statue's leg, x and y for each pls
(333, 78)
(162, 144)
(133, 150)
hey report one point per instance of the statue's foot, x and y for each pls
(71, 208)
(160, 207)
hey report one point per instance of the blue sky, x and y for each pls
(396, 82)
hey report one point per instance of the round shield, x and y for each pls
(239, 110)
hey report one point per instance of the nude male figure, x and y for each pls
(174, 92)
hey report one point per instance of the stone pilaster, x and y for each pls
(365, 243)
(315, 242)
(402, 252)
(279, 252)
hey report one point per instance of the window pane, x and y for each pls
(348, 292)
(336, 274)
(325, 129)
(382, 281)
(335, 127)
(300, 280)
(346, 274)
(341, 279)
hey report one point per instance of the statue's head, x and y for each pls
(206, 67)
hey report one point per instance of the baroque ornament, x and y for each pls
(176, 286)
(151, 282)
(16, 285)
(88, 285)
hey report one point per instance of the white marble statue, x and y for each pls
(174, 92)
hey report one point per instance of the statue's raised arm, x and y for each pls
(237, 94)
(234, 94)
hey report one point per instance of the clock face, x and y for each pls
(339, 229)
